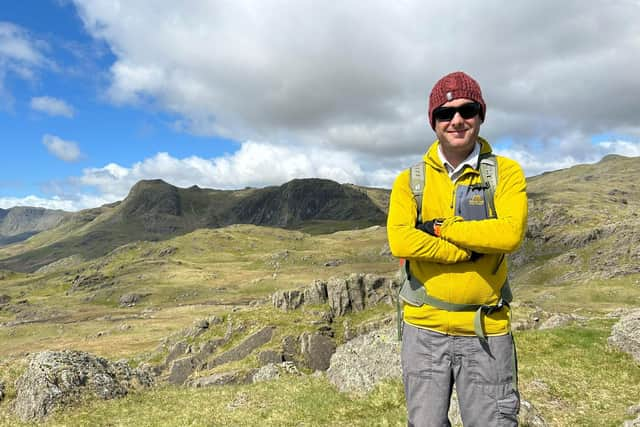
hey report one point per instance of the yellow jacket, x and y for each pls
(443, 263)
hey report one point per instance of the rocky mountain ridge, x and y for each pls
(21, 222)
(155, 210)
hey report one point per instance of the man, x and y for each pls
(461, 334)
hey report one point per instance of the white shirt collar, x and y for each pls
(471, 161)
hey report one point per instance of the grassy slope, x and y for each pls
(566, 372)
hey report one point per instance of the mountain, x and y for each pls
(20, 223)
(155, 210)
(584, 227)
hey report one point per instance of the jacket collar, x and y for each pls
(432, 158)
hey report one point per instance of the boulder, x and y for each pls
(1, 390)
(529, 415)
(129, 300)
(560, 319)
(625, 334)
(360, 364)
(4, 298)
(54, 378)
(268, 372)
(317, 350)
(181, 369)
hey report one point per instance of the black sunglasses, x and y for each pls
(467, 111)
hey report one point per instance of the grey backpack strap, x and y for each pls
(489, 176)
(416, 182)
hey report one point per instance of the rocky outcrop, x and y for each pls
(54, 378)
(243, 349)
(625, 334)
(349, 294)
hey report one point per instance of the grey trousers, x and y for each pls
(484, 376)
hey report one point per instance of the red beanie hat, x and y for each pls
(453, 86)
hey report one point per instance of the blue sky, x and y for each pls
(96, 95)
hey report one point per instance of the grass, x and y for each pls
(569, 374)
(574, 379)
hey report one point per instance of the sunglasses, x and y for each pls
(467, 111)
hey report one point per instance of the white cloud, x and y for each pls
(20, 55)
(67, 151)
(52, 106)
(16, 45)
(254, 164)
(355, 75)
(258, 164)
(40, 202)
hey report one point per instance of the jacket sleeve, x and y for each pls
(497, 235)
(405, 241)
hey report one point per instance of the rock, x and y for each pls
(360, 364)
(625, 334)
(1, 390)
(54, 378)
(287, 300)
(223, 378)
(317, 350)
(4, 299)
(181, 369)
(371, 326)
(290, 348)
(170, 250)
(340, 293)
(269, 357)
(333, 263)
(243, 349)
(178, 349)
(129, 300)
(91, 282)
(559, 320)
(354, 293)
(268, 372)
(529, 416)
(316, 293)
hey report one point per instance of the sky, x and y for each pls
(96, 95)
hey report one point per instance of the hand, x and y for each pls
(431, 227)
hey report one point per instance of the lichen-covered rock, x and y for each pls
(54, 378)
(529, 415)
(268, 372)
(360, 364)
(560, 319)
(625, 334)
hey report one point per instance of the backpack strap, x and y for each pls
(417, 183)
(415, 294)
(489, 177)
